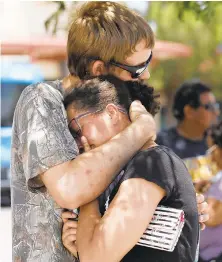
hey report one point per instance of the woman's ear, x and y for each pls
(113, 112)
(98, 68)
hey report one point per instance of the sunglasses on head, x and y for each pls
(135, 71)
(212, 107)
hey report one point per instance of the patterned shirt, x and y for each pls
(40, 140)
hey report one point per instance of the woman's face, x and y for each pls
(97, 127)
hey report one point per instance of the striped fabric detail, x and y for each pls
(164, 229)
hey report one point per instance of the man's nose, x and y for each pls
(145, 75)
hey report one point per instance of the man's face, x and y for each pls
(139, 58)
(205, 115)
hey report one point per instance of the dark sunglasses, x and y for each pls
(212, 107)
(135, 71)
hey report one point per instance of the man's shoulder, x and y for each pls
(42, 91)
(46, 89)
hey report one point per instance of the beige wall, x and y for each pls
(25, 20)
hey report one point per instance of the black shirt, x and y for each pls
(162, 167)
(181, 146)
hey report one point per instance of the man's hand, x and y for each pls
(138, 111)
(69, 232)
(202, 210)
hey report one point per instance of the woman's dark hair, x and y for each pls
(216, 133)
(188, 94)
(97, 93)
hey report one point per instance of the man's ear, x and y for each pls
(98, 68)
(113, 112)
(188, 111)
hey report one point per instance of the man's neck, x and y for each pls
(190, 131)
(69, 81)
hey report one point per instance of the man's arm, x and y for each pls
(79, 181)
(115, 234)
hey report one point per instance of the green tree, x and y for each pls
(197, 24)
(177, 21)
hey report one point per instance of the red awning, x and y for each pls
(55, 49)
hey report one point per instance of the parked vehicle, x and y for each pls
(15, 76)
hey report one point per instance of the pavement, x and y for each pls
(5, 235)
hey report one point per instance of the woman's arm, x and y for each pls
(127, 217)
(215, 212)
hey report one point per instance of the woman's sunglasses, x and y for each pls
(135, 71)
(74, 122)
(78, 133)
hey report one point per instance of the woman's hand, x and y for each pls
(69, 229)
(69, 232)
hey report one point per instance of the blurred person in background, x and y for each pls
(195, 108)
(47, 172)
(211, 237)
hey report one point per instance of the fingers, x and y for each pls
(136, 104)
(200, 198)
(70, 243)
(85, 144)
(69, 232)
(67, 215)
(69, 224)
(136, 109)
(202, 226)
(203, 218)
(68, 240)
(203, 208)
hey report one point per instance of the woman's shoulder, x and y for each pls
(157, 153)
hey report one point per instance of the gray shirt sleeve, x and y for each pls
(45, 140)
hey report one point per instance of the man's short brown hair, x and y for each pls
(106, 31)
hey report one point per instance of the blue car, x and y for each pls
(15, 76)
